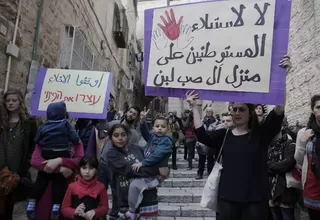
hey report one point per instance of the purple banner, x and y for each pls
(275, 95)
(86, 93)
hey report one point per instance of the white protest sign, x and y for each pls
(86, 93)
(223, 45)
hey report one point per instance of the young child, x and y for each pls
(86, 198)
(55, 138)
(157, 153)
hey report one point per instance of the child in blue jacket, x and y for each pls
(157, 153)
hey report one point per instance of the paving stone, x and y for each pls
(169, 210)
(185, 218)
(183, 182)
(184, 164)
(165, 218)
(184, 173)
(196, 211)
(179, 195)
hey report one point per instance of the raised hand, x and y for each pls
(185, 38)
(144, 113)
(159, 39)
(171, 28)
(285, 62)
(191, 98)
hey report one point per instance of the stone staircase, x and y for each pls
(180, 195)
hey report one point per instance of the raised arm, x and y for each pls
(284, 63)
(271, 126)
(191, 98)
(144, 130)
(215, 138)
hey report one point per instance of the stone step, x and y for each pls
(186, 218)
(179, 195)
(184, 164)
(184, 210)
(184, 173)
(181, 210)
(183, 182)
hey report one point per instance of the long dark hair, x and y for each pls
(92, 161)
(253, 118)
(312, 117)
(114, 127)
(253, 122)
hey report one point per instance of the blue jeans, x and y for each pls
(280, 213)
(103, 175)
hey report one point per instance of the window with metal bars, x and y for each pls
(75, 50)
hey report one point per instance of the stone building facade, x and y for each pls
(75, 34)
(304, 49)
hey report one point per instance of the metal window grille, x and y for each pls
(75, 51)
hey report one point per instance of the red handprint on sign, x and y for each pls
(171, 28)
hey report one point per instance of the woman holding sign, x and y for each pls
(243, 189)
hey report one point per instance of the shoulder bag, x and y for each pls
(209, 197)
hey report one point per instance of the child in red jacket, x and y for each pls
(86, 198)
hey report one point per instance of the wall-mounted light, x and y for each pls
(139, 57)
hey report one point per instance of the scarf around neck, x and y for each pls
(87, 188)
(316, 148)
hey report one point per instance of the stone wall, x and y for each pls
(304, 48)
(94, 18)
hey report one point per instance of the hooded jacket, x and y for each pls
(56, 134)
(120, 162)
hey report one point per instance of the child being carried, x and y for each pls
(55, 138)
(157, 153)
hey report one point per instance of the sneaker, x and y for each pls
(55, 212)
(128, 216)
(31, 210)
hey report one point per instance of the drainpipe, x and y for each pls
(34, 67)
(36, 38)
(6, 85)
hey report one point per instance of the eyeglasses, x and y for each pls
(241, 109)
